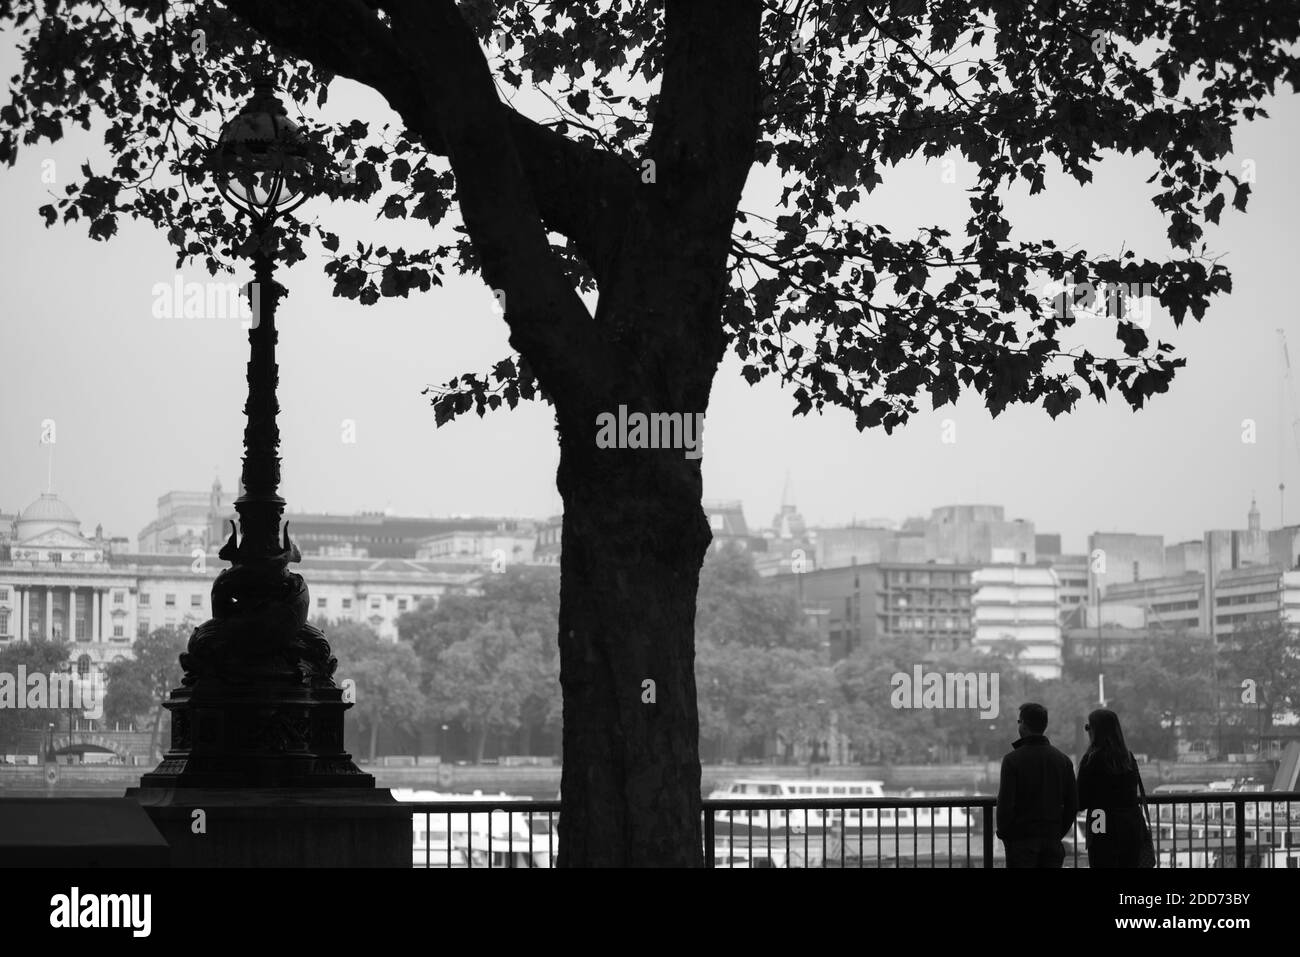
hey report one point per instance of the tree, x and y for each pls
(385, 676)
(879, 731)
(488, 659)
(1262, 670)
(35, 657)
(628, 183)
(139, 686)
(1163, 687)
(485, 680)
(758, 664)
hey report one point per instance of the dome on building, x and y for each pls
(45, 513)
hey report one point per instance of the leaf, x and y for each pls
(1215, 207)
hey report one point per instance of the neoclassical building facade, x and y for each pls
(57, 584)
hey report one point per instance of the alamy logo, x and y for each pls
(207, 300)
(946, 690)
(61, 692)
(656, 430)
(102, 910)
(1130, 302)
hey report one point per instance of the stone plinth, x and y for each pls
(279, 827)
(272, 734)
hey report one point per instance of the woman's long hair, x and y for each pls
(1108, 749)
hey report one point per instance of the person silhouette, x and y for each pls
(1037, 796)
(1108, 793)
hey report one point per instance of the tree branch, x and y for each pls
(512, 174)
(580, 192)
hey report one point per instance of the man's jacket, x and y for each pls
(1037, 796)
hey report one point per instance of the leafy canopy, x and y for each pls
(842, 310)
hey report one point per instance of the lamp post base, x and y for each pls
(258, 736)
(258, 706)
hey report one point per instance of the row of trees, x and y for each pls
(764, 680)
(487, 665)
(136, 688)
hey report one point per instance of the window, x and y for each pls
(4, 594)
(347, 603)
(56, 557)
(196, 601)
(375, 603)
(322, 602)
(144, 599)
(119, 597)
(81, 628)
(401, 604)
(170, 601)
(4, 622)
(117, 632)
(142, 628)
(83, 666)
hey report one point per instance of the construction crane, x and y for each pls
(1288, 386)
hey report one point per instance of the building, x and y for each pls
(727, 522)
(1171, 603)
(857, 545)
(549, 533)
(190, 520)
(511, 543)
(1047, 545)
(57, 585)
(953, 534)
(1122, 557)
(1184, 557)
(1017, 611)
(186, 521)
(1238, 596)
(1244, 596)
(979, 534)
(1291, 597)
(1071, 584)
(857, 606)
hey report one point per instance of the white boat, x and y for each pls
(885, 819)
(478, 838)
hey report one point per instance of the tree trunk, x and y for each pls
(480, 742)
(374, 739)
(632, 548)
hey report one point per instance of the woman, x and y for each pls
(1108, 794)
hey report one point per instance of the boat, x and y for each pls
(491, 838)
(797, 820)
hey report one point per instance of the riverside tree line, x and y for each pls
(477, 675)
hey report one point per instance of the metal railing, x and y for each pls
(1209, 829)
(484, 833)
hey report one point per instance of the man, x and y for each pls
(1037, 795)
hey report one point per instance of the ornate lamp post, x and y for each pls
(258, 706)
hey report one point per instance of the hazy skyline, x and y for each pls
(146, 405)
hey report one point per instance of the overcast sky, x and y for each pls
(146, 405)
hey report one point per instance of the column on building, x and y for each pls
(49, 614)
(21, 623)
(70, 627)
(96, 595)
